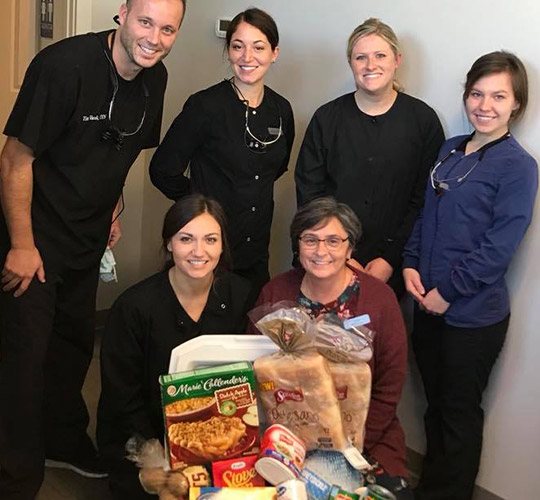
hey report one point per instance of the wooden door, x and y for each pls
(18, 43)
(20, 40)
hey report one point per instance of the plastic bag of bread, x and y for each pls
(347, 346)
(295, 383)
(345, 341)
(353, 386)
(286, 324)
(154, 475)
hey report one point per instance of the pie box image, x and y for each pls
(210, 414)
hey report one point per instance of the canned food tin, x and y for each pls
(292, 490)
(338, 494)
(377, 492)
(282, 455)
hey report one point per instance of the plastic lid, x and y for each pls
(355, 458)
(212, 350)
(273, 471)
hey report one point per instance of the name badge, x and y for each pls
(361, 320)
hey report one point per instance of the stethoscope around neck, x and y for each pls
(253, 143)
(114, 133)
(442, 185)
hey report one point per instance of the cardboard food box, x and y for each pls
(212, 493)
(210, 414)
(237, 473)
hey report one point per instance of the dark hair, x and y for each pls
(320, 210)
(183, 212)
(501, 62)
(260, 20)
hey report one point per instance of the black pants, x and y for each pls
(46, 344)
(455, 364)
(257, 274)
(124, 482)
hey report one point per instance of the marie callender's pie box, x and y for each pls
(210, 414)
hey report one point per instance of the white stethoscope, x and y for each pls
(253, 142)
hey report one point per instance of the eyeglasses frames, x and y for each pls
(331, 242)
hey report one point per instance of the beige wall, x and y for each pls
(440, 40)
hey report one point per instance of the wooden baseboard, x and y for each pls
(414, 463)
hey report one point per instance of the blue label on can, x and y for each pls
(317, 488)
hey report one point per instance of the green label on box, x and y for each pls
(204, 382)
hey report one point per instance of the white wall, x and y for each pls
(440, 41)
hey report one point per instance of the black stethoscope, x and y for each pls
(114, 133)
(442, 185)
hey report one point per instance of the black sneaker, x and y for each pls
(89, 466)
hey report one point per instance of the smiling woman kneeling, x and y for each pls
(323, 235)
(195, 295)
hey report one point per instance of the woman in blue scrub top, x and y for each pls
(478, 205)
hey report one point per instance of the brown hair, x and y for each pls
(260, 20)
(501, 62)
(183, 212)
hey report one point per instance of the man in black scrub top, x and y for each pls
(87, 106)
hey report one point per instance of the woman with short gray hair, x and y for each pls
(323, 235)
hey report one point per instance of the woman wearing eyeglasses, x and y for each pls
(194, 295)
(479, 203)
(323, 236)
(236, 138)
(372, 149)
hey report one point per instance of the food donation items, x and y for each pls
(315, 393)
(318, 383)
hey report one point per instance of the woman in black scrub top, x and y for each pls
(372, 149)
(236, 139)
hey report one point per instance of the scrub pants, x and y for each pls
(455, 364)
(124, 482)
(257, 274)
(46, 344)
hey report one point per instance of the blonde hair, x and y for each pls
(374, 26)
